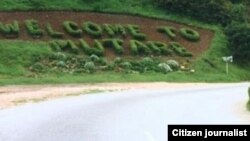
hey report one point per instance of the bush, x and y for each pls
(90, 67)
(33, 28)
(94, 58)
(168, 30)
(126, 65)
(217, 11)
(116, 44)
(118, 60)
(135, 32)
(147, 61)
(239, 40)
(58, 56)
(10, 30)
(97, 49)
(164, 68)
(52, 33)
(180, 50)
(72, 28)
(173, 64)
(148, 64)
(37, 67)
(190, 34)
(138, 47)
(61, 64)
(93, 29)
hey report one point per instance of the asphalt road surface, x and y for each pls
(133, 115)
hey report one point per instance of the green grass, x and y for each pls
(17, 56)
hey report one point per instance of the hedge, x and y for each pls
(114, 30)
(114, 43)
(97, 49)
(10, 30)
(162, 47)
(135, 32)
(72, 28)
(168, 30)
(93, 29)
(138, 47)
(153, 47)
(33, 28)
(179, 49)
(190, 34)
(52, 33)
(58, 45)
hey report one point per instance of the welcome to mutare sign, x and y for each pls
(102, 36)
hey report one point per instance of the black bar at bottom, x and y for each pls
(208, 132)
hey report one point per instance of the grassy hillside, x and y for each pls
(18, 56)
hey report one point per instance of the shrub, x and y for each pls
(90, 67)
(147, 61)
(167, 30)
(52, 33)
(93, 29)
(118, 60)
(116, 44)
(61, 64)
(115, 30)
(135, 32)
(148, 64)
(94, 58)
(58, 56)
(138, 47)
(97, 49)
(164, 68)
(239, 40)
(10, 30)
(72, 28)
(33, 28)
(103, 61)
(37, 67)
(126, 65)
(180, 50)
(190, 34)
(173, 64)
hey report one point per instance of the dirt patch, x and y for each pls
(17, 95)
(147, 26)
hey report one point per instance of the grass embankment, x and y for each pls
(17, 56)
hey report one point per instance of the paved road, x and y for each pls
(134, 115)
